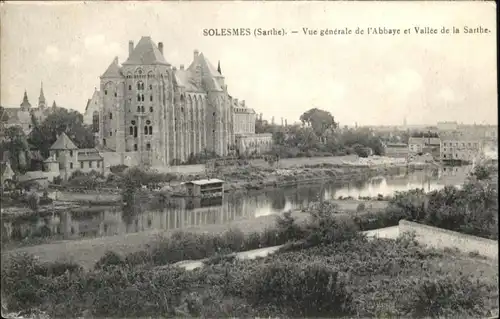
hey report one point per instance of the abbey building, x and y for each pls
(162, 115)
(22, 116)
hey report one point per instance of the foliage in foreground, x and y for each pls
(353, 277)
(471, 209)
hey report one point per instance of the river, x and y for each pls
(232, 207)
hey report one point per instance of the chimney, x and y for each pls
(130, 47)
(195, 54)
(182, 67)
(236, 102)
(160, 47)
(281, 121)
(286, 124)
(243, 103)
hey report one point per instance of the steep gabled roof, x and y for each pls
(25, 102)
(87, 106)
(113, 70)
(209, 72)
(63, 142)
(5, 170)
(11, 114)
(146, 53)
(185, 79)
(209, 66)
(205, 64)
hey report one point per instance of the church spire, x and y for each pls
(54, 104)
(41, 98)
(25, 105)
(218, 68)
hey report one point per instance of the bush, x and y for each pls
(300, 290)
(287, 228)
(118, 169)
(110, 259)
(33, 201)
(361, 207)
(445, 296)
(23, 278)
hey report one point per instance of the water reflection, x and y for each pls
(194, 212)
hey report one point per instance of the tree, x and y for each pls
(17, 146)
(279, 138)
(4, 117)
(481, 173)
(61, 121)
(319, 120)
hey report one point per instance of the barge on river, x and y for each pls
(203, 188)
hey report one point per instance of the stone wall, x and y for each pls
(443, 238)
(182, 169)
(83, 196)
(114, 158)
(38, 175)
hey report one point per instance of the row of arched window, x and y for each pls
(141, 109)
(139, 74)
(148, 129)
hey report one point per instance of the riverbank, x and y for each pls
(257, 223)
(259, 178)
(237, 179)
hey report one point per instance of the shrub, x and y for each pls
(445, 296)
(138, 258)
(361, 207)
(33, 201)
(233, 239)
(23, 279)
(110, 259)
(252, 241)
(118, 169)
(299, 290)
(287, 228)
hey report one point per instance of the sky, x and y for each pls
(363, 79)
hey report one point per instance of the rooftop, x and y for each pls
(146, 53)
(206, 181)
(63, 142)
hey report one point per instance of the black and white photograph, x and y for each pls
(249, 159)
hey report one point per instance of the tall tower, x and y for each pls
(41, 98)
(25, 105)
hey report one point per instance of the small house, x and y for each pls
(205, 188)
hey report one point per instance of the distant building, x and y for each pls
(22, 116)
(91, 114)
(246, 141)
(397, 150)
(424, 145)
(460, 147)
(72, 159)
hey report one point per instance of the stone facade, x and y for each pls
(166, 114)
(461, 147)
(91, 114)
(396, 150)
(253, 144)
(243, 118)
